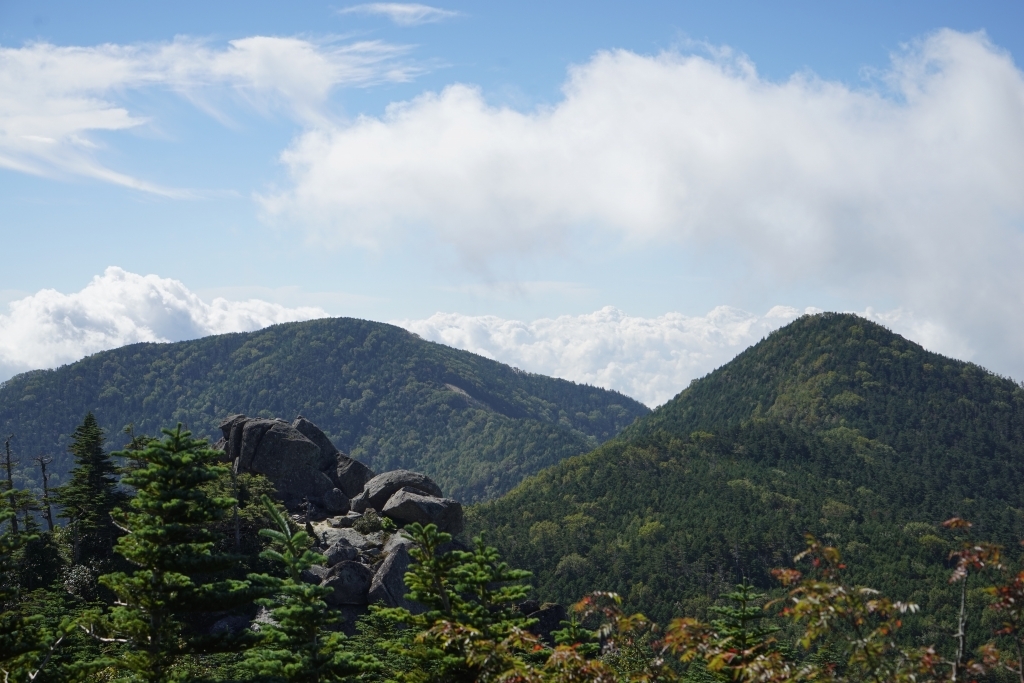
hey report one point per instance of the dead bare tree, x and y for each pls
(9, 463)
(43, 461)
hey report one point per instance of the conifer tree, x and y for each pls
(740, 623)
(298, 647)
(25, 645)
(468, 593)
(91, 494)
(167, 537)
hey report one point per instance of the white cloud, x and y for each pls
(908, 190)
(54, 99)
(402, 13)
(650, 359)
(48, 328)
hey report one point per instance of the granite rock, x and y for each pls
(408, 505)
(350, 582)
(379, 489)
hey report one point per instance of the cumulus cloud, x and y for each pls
(650, 359)
(402, 13)
(907, 189)
(48, 328)
(54, 99)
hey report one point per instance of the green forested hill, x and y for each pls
(380, 393)
(832, 425)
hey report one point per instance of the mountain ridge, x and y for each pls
(722, 482)
(380, 393)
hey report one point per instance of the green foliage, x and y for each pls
(19, 634)
(297, 646)
(573, 634)
(712, 488)
(26, 645)
(90, 495)
(167, 537)
(739, 624)
(369, 522)
(388, 398)
(474, 590)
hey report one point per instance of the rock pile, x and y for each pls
(298, 458)
(343, 500)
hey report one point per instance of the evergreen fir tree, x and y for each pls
(475, 591)
(24, 644)
(167, 537)
(298, 647)
(740, 628)
(91, 494)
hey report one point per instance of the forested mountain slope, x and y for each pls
(832, 425)
(381, 394)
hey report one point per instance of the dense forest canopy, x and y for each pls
(746, 517)
(381, 394)
(832, 425)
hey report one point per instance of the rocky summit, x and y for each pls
(345, 505)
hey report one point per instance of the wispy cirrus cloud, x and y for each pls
(402, 13)
(55, 99)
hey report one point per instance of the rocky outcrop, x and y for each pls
(379, 489)
(350, 582)
(350, 475)
(335, 501)
(362, 563)
(340, 552)
(297, 457)
(328, 456)
(289, 459)
(388, 585)
(341, 536)
(407, 506)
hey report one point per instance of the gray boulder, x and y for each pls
(388, 586)
(335, 501)
(288, 459)
(314, 574)
(350, 475)
(229, 422)
(231, 428)
(350, 537)
(408, 505)
(397, 539)
(252, 432)
(328, 453)
(340, 552)
(350, 582)
(345, 521)
(379, 489)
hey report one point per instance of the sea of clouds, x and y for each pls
(49, 329)
(650, 359)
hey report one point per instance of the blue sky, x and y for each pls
(506, 164)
